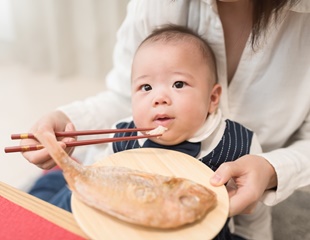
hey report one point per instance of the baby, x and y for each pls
(174, 85)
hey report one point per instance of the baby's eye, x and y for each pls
(146, 87)
(179, 84)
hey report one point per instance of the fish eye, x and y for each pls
(189, 201)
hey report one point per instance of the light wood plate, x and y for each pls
(98, 225)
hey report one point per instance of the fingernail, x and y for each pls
(216, 178)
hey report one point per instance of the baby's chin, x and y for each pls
(168, 139)
(170, 136)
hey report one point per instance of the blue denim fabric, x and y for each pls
(52, 188)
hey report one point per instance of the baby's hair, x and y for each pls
(176, 33)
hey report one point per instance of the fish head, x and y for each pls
(194, 195)
(193, 198)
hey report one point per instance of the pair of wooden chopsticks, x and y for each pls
(26, 148)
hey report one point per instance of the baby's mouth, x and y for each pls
(162, 120)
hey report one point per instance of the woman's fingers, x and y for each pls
(247, 178)
(53, 122)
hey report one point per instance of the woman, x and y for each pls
(262, 50)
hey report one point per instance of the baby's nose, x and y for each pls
(162, 99)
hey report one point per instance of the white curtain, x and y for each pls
(64, 37)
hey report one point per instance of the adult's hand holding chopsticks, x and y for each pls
(55, 121)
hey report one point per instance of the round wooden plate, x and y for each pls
(98, 225)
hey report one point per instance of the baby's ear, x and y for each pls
(215, 98)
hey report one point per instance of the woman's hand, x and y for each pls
(247, 179)
(53, 122)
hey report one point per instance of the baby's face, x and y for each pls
(171, 87)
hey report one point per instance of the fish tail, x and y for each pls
(62, 159)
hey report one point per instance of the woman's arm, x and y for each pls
(292, 165)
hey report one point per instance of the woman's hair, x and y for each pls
(263, 12)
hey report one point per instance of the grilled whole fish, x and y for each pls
(133, 196)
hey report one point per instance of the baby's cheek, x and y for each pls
(139, 122)
(193, 122)
(138, 119)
